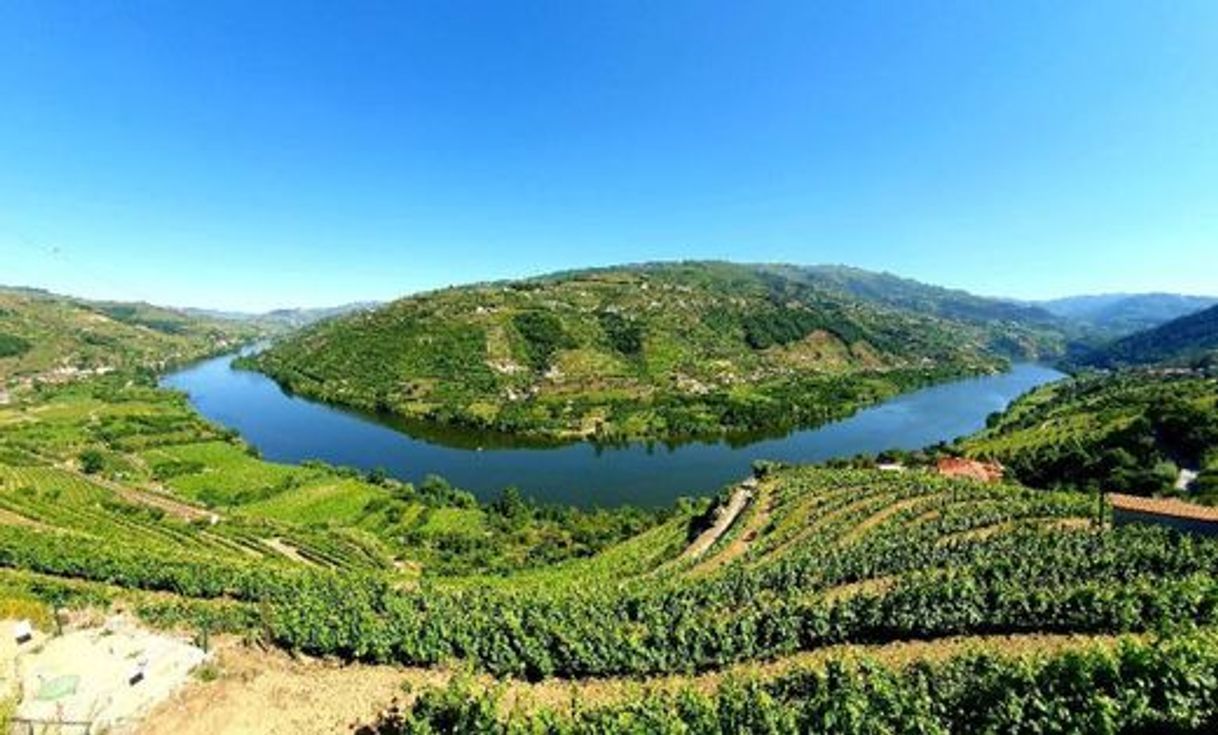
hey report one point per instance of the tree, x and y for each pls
(92, 461)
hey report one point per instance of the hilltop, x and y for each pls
(1188, 340)
(656, 350)
(50, 336)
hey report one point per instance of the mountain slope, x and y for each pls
(1189, 340)
(906, 293)
(656, 350)
(1128, 432)
(51, 336)
(1121, 314)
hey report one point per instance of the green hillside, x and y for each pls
(55, 337)
(1188, 340)
(898, 588)
(661, 350)
(1129, 432)
(906, 293)
(897, 600)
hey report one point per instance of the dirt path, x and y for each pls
(145, 497)
(287, 550)
(875, 519)
(764, 503)
(9, 518)
(268, 692)
(725, 516)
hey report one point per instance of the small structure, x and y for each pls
(1169, 512)
(970, 468)
(94, 679)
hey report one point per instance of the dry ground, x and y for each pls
(270, 692)
(100, 660)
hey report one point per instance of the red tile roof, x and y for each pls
(1164, 507)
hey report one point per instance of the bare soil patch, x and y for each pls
(271, 693)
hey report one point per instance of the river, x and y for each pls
(287, 428)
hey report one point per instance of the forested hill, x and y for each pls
(1118, 315)
(656, 350)
(52, 336)
(1188, 341)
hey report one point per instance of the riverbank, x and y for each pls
(290, 428)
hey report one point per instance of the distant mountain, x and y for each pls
(278, 320)
(656, 350)
(1116, 315)
(1189, 340)
(296, 318)
(906, 293)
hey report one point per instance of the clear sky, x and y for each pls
(259, 154)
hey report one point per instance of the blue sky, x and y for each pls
(260, 154)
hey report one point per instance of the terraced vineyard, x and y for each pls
(113, 492)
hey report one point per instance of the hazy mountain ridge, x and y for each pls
(288, 318)
(1190, 340)
(1125, 313)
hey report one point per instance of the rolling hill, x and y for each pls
(1188, 341)
(48, 335)
(664, 350)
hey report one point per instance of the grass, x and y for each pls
(228, 475)
(341, 502)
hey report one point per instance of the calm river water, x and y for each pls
(289, 428)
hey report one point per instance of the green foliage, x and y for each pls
(131, 433)
(12, 345)
(1127, 432)
(326, 561)
(1136, 687)
(543, 336)
(56, 337)
(779, 326)
(624, 335)
(92, 461)
(1187, 340)
(951, 583)
(669, 351)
